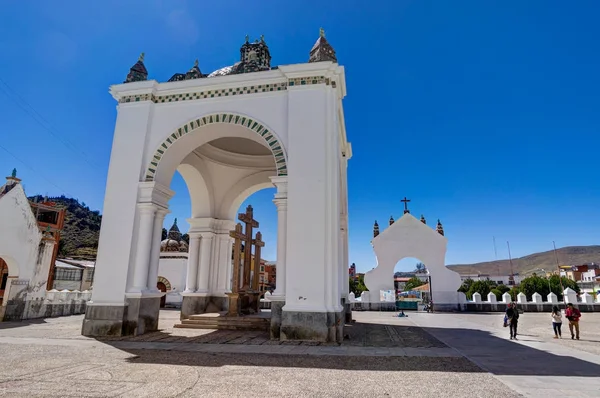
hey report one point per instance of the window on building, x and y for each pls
(90, 276)
(499, 282)
(63, 274)
(262, 268)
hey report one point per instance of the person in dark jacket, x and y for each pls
(512, 316)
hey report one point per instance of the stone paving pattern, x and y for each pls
(357, 334)
(428, 355)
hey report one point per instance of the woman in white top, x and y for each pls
(556, 322)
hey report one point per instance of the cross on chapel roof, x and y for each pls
(405, 205)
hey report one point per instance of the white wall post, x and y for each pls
(192, 265)
(281, 203)
(159, 218)
(144, 243)
(205, 260)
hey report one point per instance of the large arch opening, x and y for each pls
(8, 269)
(223, 167)
(411, 282)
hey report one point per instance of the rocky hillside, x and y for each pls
(572, 255)
(79, 238)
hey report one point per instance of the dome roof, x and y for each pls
(174, 242)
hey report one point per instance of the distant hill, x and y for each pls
(79, 238)
(571, 255)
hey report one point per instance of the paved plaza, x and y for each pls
(429, 355)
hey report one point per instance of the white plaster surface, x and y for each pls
(308, 124)
(409, 237)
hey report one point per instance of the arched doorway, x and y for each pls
(3, 279)
(162, 288)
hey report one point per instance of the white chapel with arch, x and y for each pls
(412, 237)
(229, 133)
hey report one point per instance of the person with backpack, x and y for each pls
(573, 315)
(512, 318)
(556, 322)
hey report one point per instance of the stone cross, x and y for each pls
(237, 236)
(405, 201)
(248, 219)
(257, 243)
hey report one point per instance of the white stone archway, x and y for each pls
(410, 237)
(290, 122)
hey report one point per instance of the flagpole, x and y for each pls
(558, 267)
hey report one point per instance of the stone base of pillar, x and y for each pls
(276, 314)
(104, 320)
(347, 310)
(314, 326)
(142, 315)
(196, 304)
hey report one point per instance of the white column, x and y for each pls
(144, 243)
(281, 203)
(159, 218)
(204, 265)
(192, 265)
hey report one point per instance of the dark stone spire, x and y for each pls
(391, 220)
(439, 228)
(375, 229)
(174, 232)
(194, 73)
(138, 72)
(423, 219)
(254, 57)
(322, 50)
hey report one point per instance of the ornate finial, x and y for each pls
(175, 221)
(247, 38)
(321, 32)
(262, 38)
(14, 173)
(48, 228)
(391, 220)
(439, 228)
(423, 219)
(196, 63)
(141, 58)
(375, 229)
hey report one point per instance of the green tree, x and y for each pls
(498, 293)
(413, 283)
(535, 284)
(357, 286)
(466, 285)
(482, 287)
(514, 292)
(566, 283)
(503, 289)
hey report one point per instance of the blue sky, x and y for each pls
(484, 113)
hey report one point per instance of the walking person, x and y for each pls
(512, 316)
(573, 315)
(556, 322)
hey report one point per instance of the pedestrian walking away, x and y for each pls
(556, 322)
(512, 318)
(573, 315)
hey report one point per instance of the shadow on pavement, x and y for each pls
(498, 356)
(19, 324)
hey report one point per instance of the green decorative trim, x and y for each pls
(271, 140)
(229, 92)
(166, 283)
